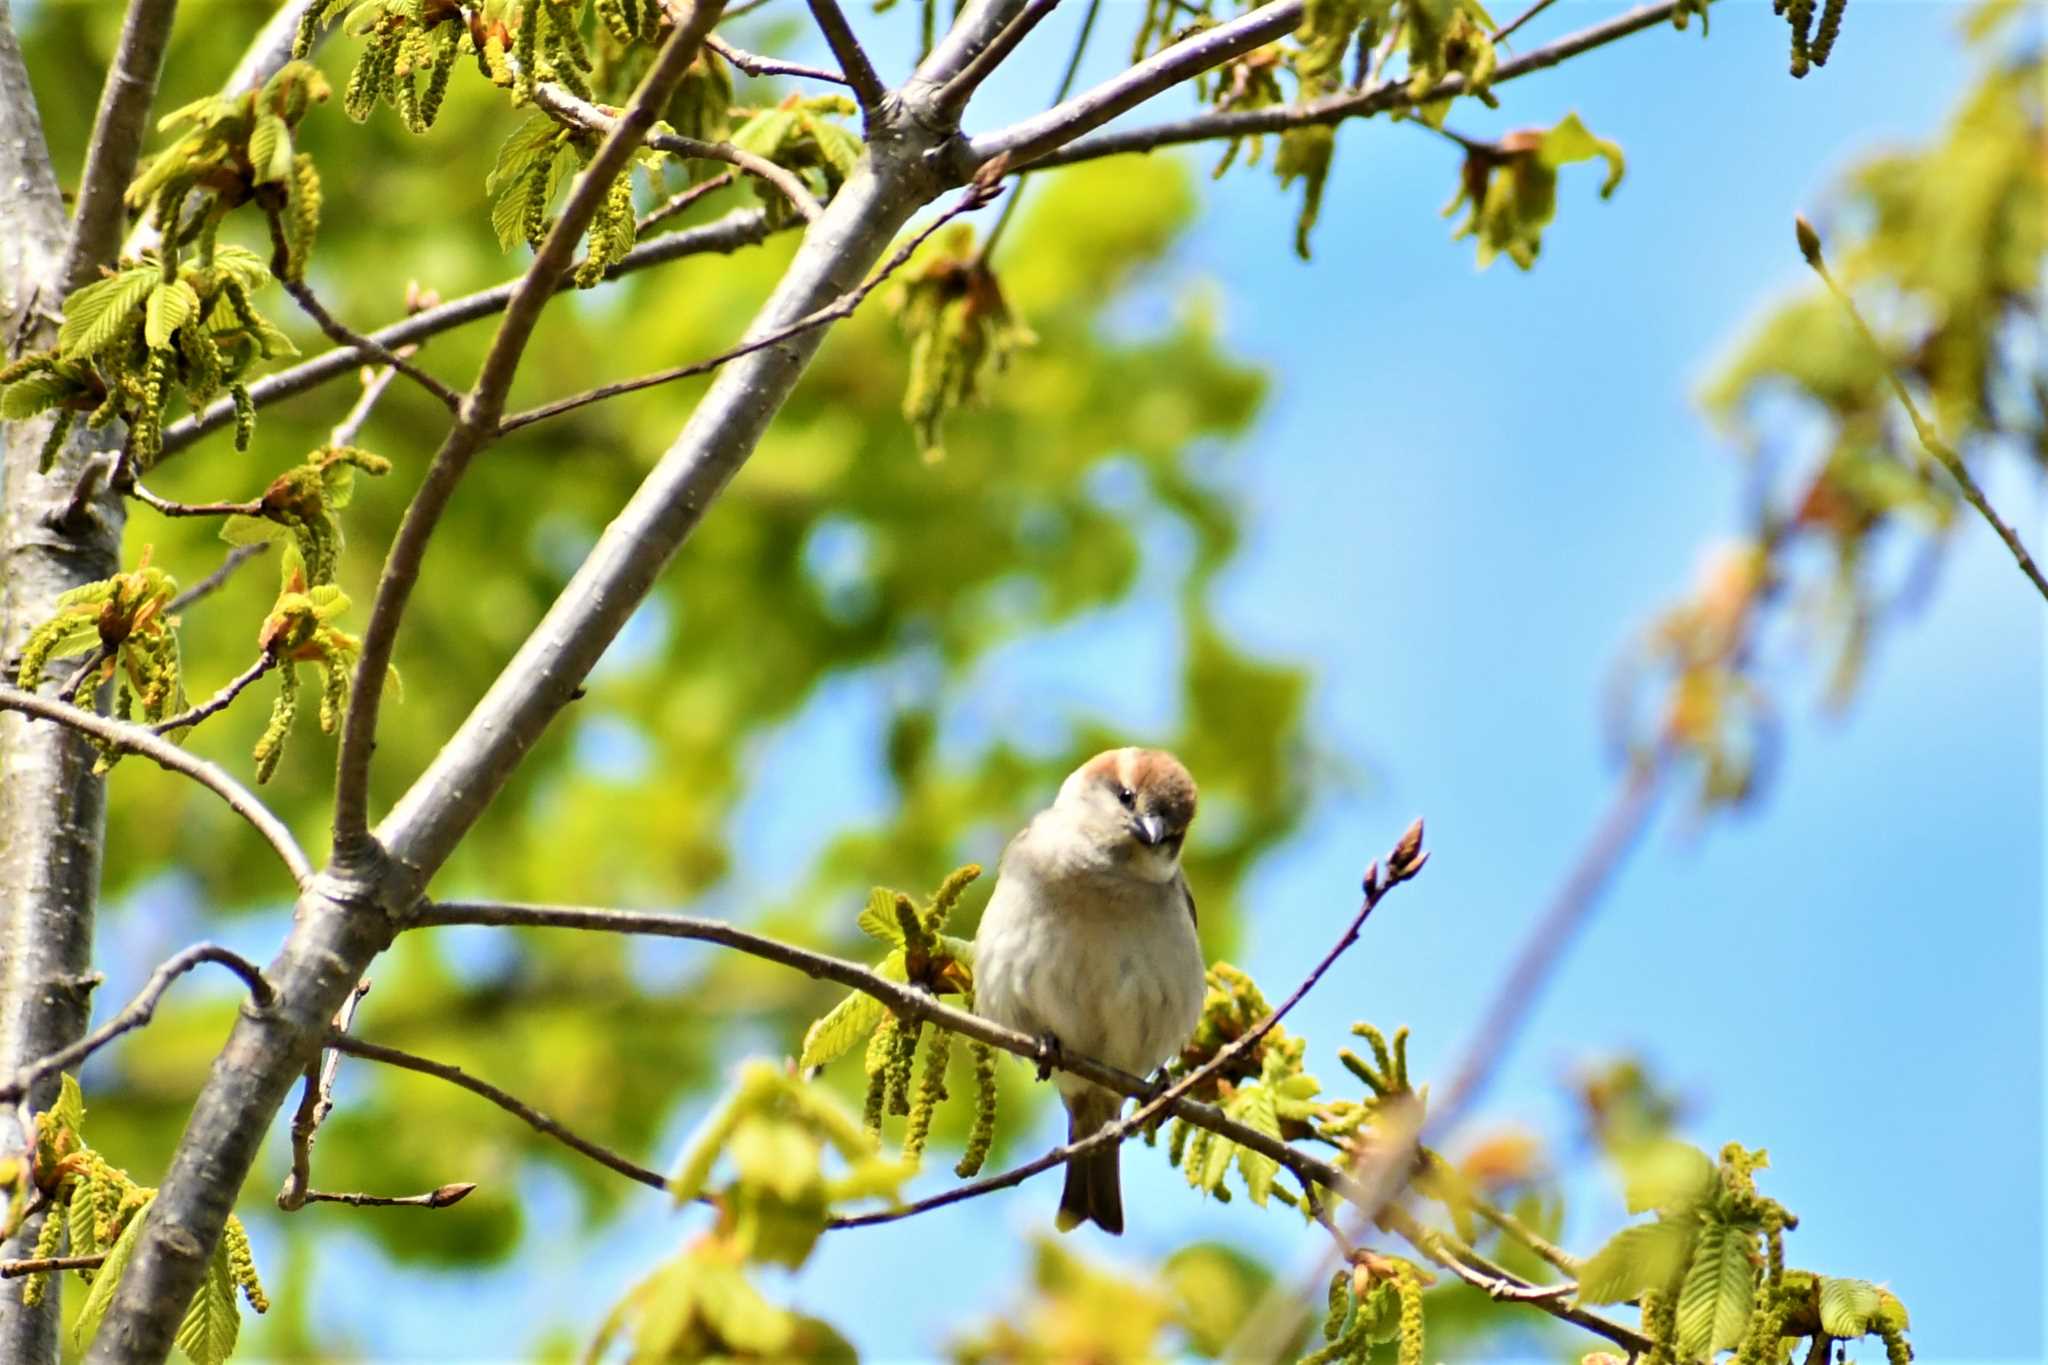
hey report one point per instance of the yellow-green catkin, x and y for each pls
(902, 1061)
(1896, 1351)
(1830, 28)
(1339, 1303)
(242, 1265)
(983, 1132)
(931, 1091)
(1410, 1289)
(47, 1243)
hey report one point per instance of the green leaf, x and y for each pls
(172, 306)
(879, 919)
(69, 1110)
(32, 393)
(95, 313)
(1848, 1308)
(104, 1283)
(1645, 1256)
(1254, 1107)
(532, 142)
(1669, 1176)
(767, 133)
(1572, 141)
(845, 1024)
(241, 530)
(270, 150)
(207, 1335)
(1713, 1307)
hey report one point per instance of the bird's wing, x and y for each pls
(1180, 879)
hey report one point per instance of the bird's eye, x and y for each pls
(1127, 796)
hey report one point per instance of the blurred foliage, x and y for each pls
(839, 560)
(837, 557)
(1942, 247)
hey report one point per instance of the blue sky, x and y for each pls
(1466, 490)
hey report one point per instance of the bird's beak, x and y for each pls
(1149, 829)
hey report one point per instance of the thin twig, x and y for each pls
(681, 200)
(118, 131)
(316, 1101)
(350, 426)
(1035, 137)
(1406, 860)
(907, 1002)
(40, 1265)
(136, 739)
(252, 508)
(92, 664)
(1503, 34)
(477, 419)
(1066, 87)
(1527, 1236)
(953, 96)
(1500, 1284)
(138, 1012)
(852, 58)
(583, 114)
(236, 558)
(1930, 440)
(220, 700)
(754, 64)
(455, 1075)
(1332, 108)
(740, 228)
(344, 335)
(973, 197)
(441, 1198)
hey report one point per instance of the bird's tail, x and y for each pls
(1093, 1192)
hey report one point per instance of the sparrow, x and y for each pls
(1088, 944)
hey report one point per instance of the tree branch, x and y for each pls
(1406, 860)
(1349, 104)
(233, 560)
(440, 1198)
(974, 197)
(139, 1011)
(754, 64)
(480, 411)
(906, 1001)
(740, 228)
(1034, 137)
(338, 332)
(583, 114)
(117, 133)
(853, 59)
(511, 1104)
(220, 700)
(953, 96)
(137, 740)
(40, 1265)
(315, 1103)
(1939, 450)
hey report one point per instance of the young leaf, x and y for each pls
(207, 1335)
(1668, 1176)
(171, 306)
(1254, 1107)
(1713, 1307)
(108, 1278)
(879, 919)
(95, 313)
(270, 150)
(1637, 1258)
(1572, 141)
(849, 1021)
(1848, 1308)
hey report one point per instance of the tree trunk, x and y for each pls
(52, 809)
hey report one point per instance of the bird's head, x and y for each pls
(1136, 804)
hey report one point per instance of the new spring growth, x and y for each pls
(122, 621)
(775, 1130)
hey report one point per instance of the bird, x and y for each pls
(1088, 944)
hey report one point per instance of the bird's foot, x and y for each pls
(1049, 1054)
(1160, 1082)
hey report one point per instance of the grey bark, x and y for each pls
(52, 809)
